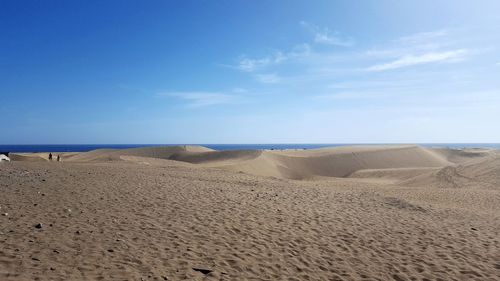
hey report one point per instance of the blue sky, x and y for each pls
(249, 71)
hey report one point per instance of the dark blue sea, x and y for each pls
(89, 147)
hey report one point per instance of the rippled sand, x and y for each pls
(155, 219)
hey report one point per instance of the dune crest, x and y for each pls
(326, 162)
(26, 157)
(481, 173)
(160, 152)
(295, 164)
(409, 165)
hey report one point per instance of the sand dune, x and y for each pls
(94, 155)
(143, 218)
(484, 172)
(409, 165)
(161, 152)
(342, 163)
(191, 213)
(459, 156)
(43, 156)
(26, 157)
(393, 174)
(329, 162)
(470, 167)
(217, 157)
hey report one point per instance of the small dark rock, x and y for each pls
(472, 228)
(56, 251)
(111, 250)
(38, 225)
(52, 268)
(202, 270)
(35, 259)
(78, 232)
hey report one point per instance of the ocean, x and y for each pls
(89, 147)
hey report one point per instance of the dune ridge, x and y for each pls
(160, 152)
(409, 165)
(25, 157)
(198, 157)
(326, 162)
(482, 173)
(460, 156)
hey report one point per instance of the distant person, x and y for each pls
(50, 156)
(58, 158)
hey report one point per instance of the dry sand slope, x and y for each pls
(359, 213)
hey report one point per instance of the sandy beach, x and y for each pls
(191, 213)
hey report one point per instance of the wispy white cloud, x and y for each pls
(422, 37)
(394, 83)
(252, 64)
(342, 75)
(411, 60)
(433, 41)
(199, 99)
(326, 36)
(247, 64)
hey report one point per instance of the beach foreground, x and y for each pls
(190, 213)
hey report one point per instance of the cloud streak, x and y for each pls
(412, 60)
(422, 37)
(249, 65)
(343, 76)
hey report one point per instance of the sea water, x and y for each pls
(89, 147)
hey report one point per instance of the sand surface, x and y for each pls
(191, 213)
